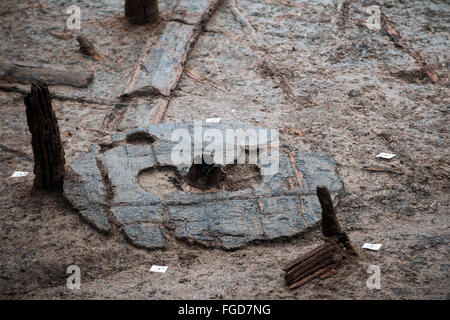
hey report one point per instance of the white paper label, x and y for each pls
(161, 269)
(213, 119)
(19, 174)
(372, 246)
(385, 155)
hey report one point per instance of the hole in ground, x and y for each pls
(204, 177)
(232, 177)
(137, 138)
(140, 138)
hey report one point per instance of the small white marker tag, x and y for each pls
(372, 246)
(385, 155)
(213, 119)
(19, 174)
(161, 269)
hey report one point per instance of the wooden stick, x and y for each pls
(309, 263)
(323, 260)
(330, 223)
(316, 274)
(401, 43)
(51, 74)
(312, 269)
(332, 258)
(331, 227)
(87, 48)
(304, 257)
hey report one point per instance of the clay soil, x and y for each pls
(310, 69)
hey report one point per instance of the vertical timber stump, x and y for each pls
(324, 260)
(45, 140)
(331, 227)
(141, 11)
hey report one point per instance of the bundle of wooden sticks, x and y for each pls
(324, 260)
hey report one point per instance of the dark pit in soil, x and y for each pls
(205, 177)
(231, 177)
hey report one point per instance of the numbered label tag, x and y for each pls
(372, 246)
(213, 119)
(161, 269)
(385, 155)
(19, 174)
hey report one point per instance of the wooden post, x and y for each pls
(326, 258)
(45, 140)
(141, 11)
(330, 223)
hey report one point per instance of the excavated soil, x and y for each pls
(310, 69)
(232, 177)
(159, 180)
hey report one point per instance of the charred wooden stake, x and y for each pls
(326, 258)
(45, 140)
(141, 11)
(330, 223)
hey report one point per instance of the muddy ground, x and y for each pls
(312, 66)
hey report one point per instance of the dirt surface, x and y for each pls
(311, 69)
(159, 181)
